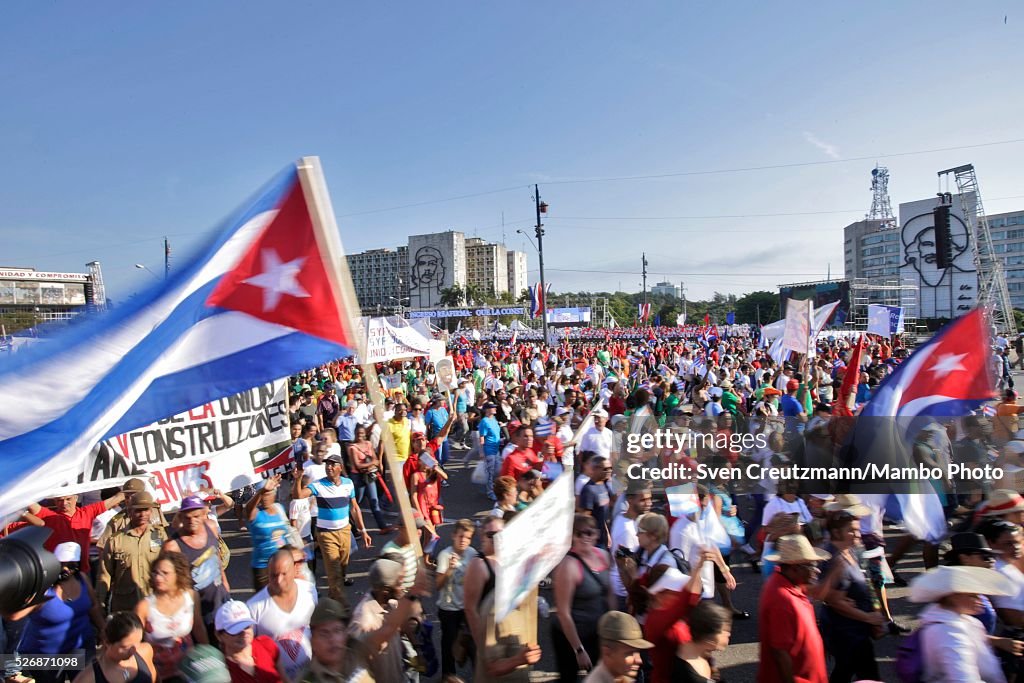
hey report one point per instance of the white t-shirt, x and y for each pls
(565, 435)
(290, 630)
(1015, 601)
(599, 442)
(623, 535)
(779, 504)
(298, 511)
(685, 535)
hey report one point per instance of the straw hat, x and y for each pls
(847, 502)
(937, 583)
(796, 549)
(1002, 501)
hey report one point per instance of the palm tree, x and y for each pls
(452, 296)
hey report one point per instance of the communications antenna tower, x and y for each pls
(881, 207)
(99, 292)
(992, 291)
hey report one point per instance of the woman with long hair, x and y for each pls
(366, 470)
(582, 594)
(170, 615)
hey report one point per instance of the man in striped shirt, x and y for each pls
(334, 494)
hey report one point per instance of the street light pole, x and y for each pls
(541, 208)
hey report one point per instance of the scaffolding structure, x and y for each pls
(98, 301)
(892, 292)
(992, 291)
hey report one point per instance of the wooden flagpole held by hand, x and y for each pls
(314, 187)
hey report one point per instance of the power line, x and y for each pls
(680, 174)
(770, 167)
(691, 274)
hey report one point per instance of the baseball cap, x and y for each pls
(620, 627)
(191, 503)
(386, 572)
(204, 664)
(234, 617)
(792, 385)
(599, 412)
(327, 611)
(68, 552)
(335, 458)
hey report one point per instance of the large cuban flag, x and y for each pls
(260, 301)
(949, 376)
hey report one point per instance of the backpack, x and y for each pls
(909, 663)
(682, 564)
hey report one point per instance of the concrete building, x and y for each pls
(667, 289)
(1007, 230)
(486, 266)
(381, 278)
(30, 297)
(517, 278)
(437, 261)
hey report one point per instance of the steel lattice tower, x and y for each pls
(881, 206)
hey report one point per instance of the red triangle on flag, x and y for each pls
(282, 278)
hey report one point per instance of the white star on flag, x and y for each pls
(948, 363)
(277, 278)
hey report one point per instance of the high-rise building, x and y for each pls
(517, 281)
(381, 279)
(486, 266)
(666, 289)
(1007, 231)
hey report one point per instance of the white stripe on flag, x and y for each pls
(43, 401)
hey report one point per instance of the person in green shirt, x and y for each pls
(604, 358)
(730, 401)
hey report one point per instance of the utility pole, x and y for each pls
(682, 295)
(541, 208)
(644, 257)
(167, 259)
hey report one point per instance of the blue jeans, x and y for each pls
(366, 484)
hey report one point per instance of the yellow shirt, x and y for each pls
(401, 433)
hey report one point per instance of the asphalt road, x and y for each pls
(464, 499)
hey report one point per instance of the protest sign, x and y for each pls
(445, 369)
(390, 339)
(532, 545)
(225, 444)
(799, 315)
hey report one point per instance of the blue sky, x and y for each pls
(125, 122)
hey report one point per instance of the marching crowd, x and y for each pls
(646, 590)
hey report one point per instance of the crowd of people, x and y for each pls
(646, 591)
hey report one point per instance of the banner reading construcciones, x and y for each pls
(226, 444)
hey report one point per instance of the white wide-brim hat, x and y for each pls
(937, 583)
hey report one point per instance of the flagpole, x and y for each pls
(314, 188)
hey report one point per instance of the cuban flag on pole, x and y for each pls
(264, 298)
(948, 376)
(538, 303)
(643, 311)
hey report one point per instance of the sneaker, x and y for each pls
(746, 547)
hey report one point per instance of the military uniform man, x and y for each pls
(128, 555)
(122, 520)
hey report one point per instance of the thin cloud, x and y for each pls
(830, 150)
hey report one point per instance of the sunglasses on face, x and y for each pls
(588, 533)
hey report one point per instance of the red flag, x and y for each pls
(707, 318)
(282, 278)
(843, 405)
